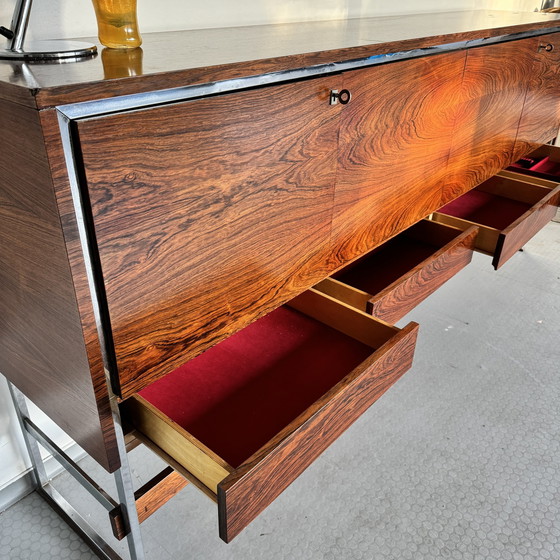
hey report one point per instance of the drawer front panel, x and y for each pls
(254, 486)
(394, 145)
(207, 215)
(541, 113)
(492, 97)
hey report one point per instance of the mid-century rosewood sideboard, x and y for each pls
(204, 243)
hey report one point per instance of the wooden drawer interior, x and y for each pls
(246, 417)
(544, 163)
(398, 275)
(507, 211)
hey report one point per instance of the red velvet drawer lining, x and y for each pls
(486, 209)
(239, 394)
(381, 268)
(545, 168)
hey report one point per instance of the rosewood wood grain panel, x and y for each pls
(9, 91)
(42, 348)
(394, 145)
(491, 101)
(395, 301)
(522, 230)
(208, 214)
(541, 113)
(254, 485)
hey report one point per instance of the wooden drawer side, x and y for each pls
(200, 461)
(340, 291)
(255, 484)
(520, 176)
(486, 239)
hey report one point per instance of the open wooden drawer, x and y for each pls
(394, 278)
(508, 213)
(544, 163)
(245, 418)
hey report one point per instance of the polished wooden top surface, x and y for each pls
(175, 59)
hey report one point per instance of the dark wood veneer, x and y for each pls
(83, 296)
(207, 216)
(176, 59)
(513, 210)
(522, 230)
(398, 275)
(43, 351)
(393, 303)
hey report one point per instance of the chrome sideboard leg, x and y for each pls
(125, 488)
(33, 436)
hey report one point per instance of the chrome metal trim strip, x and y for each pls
(121, 103)
(96, 290)
(22, 412)
(125, 488)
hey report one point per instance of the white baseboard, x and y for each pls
(22, 485)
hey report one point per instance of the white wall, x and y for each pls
(53, 19)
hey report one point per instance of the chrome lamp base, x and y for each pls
(48, 51)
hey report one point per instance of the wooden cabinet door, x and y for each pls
(394, 144)
(541, 113)
(491, 101)
(208, 214)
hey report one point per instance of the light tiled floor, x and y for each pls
(460, 460)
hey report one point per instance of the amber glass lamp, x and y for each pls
(117, 23)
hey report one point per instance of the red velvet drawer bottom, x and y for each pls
(236, 396)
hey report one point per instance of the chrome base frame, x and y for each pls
(33, 436)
